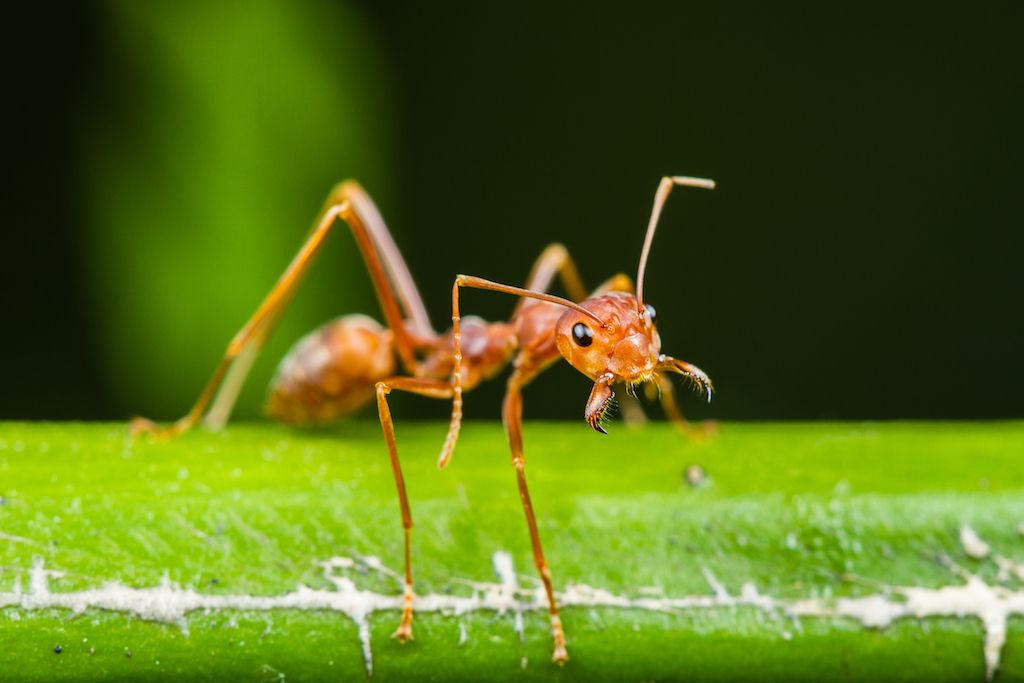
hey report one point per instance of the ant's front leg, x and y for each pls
(525, 369)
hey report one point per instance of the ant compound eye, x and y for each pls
(582, 335)
(651, 313)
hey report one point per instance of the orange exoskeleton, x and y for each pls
(611, 336)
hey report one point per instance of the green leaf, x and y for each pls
(805, 514)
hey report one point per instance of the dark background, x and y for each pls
(860, 259)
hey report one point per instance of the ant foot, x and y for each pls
(404, 632)
(560, 655)
(706, 428)
(699, 431)
(141, 425)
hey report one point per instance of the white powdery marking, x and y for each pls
(972, 544)
(992, 605)
(506, 571)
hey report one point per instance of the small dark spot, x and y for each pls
(58, 649)
(215, 581)
(695, 475)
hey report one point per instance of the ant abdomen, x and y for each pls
(331, 372)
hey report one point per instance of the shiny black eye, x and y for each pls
(651, 313)
(582, 335)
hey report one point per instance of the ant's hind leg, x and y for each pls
(424, 387)
(247, 342)
(391, 281)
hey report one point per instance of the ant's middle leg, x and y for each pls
(512, 416)
(424, 387)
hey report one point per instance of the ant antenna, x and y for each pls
(667, 183)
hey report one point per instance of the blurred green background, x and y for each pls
(860, 259)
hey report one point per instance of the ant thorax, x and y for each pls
(626, 348)
(486, 349)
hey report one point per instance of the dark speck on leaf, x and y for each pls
(214, 581)
(695, 475)
(58, 649)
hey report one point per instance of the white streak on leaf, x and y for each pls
(993, 605)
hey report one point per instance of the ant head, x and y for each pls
(614, 338)
(624, 346)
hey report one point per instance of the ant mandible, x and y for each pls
(610, 336)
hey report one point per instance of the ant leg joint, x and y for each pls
(543, 569)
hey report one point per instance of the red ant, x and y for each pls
(610, 336)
